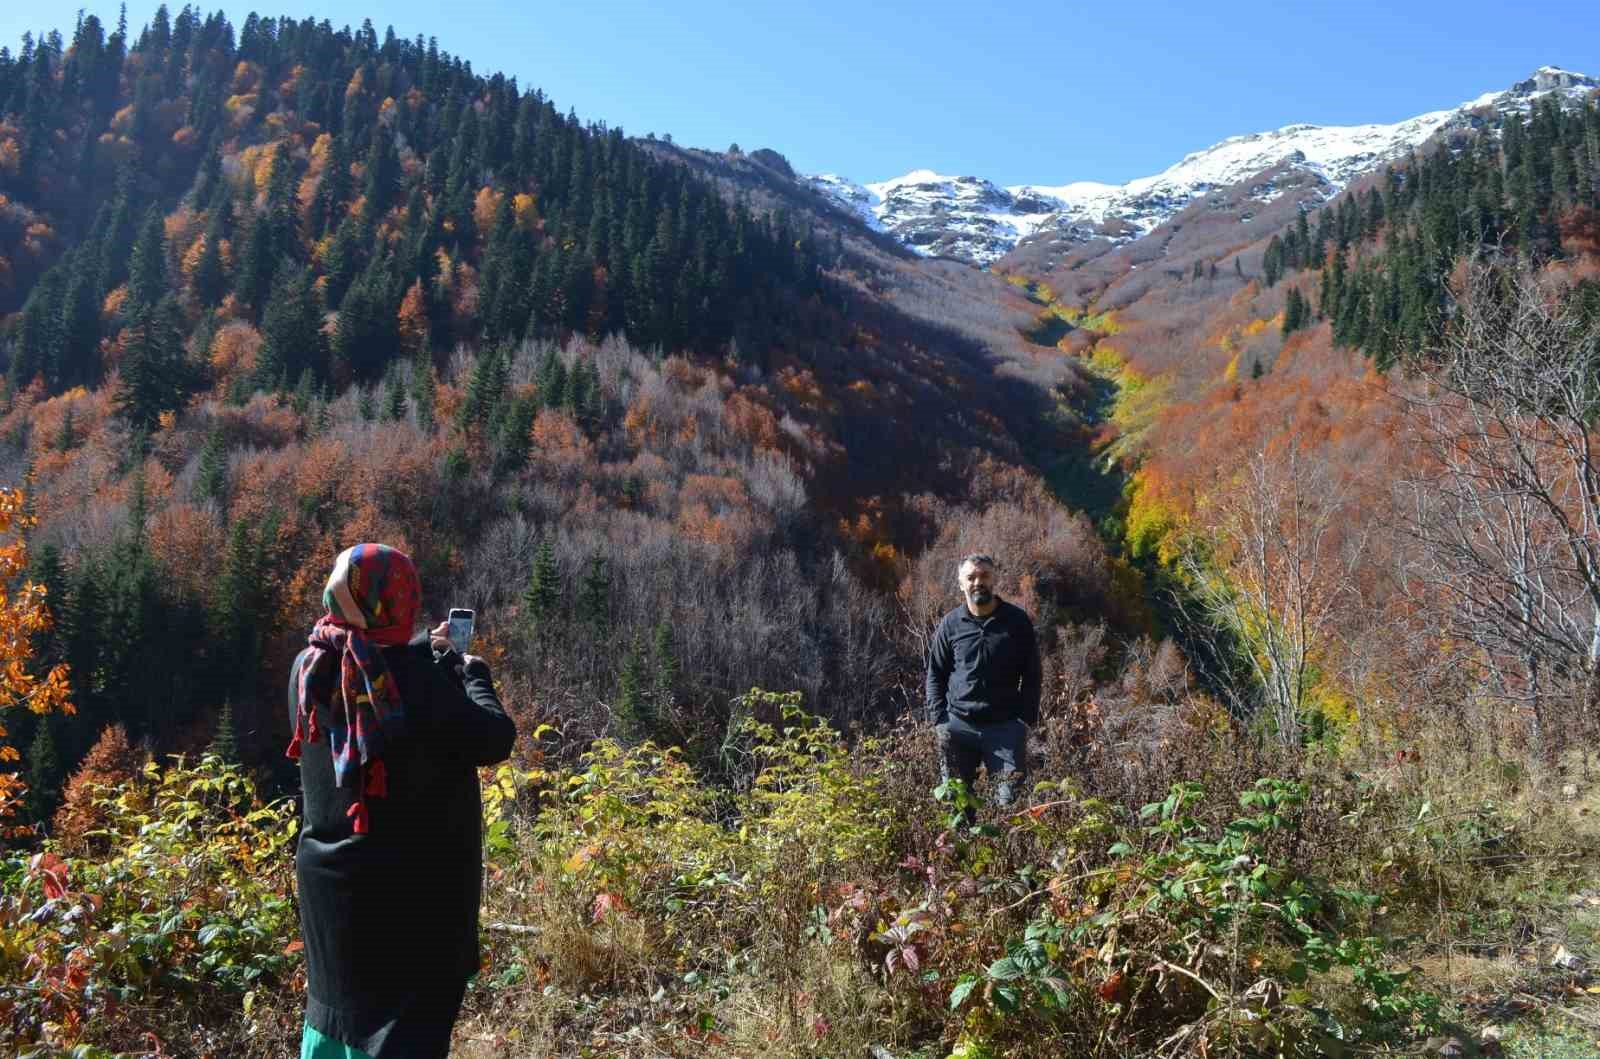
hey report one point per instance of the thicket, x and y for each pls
(1175, 887)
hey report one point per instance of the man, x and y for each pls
(983, 683)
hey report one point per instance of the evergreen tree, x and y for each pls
(366, 335)
(225, 741)
(1294, 312)
(254, 275)
(664, 666)
(292, 341)
(633, 711)
(515, 434)
(147, 272)
(594, 598)
(79, 351)
(346, 257)
(304, 394)
(211, 477)
(45, 772)
(116, 247)
(383, 173)
(155, 375)
(485, 390)
(552, 378)
(67, 436)
(46, 569)
(210, 279)
(333, 191)
(542, 597)
(237, 611)
(424, 391)
(394, 396)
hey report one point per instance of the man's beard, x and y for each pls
(980, 596)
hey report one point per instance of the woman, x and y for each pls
(389, 734)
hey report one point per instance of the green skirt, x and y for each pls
(314, 1045)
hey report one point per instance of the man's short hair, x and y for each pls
(976, 559)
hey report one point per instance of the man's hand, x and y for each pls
(439, 637)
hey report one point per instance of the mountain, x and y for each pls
(975, 220)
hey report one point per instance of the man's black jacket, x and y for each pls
(391, 917)
(984, 670)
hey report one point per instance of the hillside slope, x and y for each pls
(971, 219)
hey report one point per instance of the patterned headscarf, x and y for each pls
(372, 599)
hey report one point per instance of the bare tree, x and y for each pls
(1269, 579)
(1506, 508)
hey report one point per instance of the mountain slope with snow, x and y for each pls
(975, 220)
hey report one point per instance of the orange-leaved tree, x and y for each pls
(23, 615)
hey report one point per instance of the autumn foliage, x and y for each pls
(23, 615)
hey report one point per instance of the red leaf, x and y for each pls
(53, 871)
(605, 904)
(293, 947)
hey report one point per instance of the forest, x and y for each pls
(1306, 522)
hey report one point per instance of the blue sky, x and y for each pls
(1019, 94)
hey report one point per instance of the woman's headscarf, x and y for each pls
(372, 598)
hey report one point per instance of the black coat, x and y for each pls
(391, 916)
(984, 670)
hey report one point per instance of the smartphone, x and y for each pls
(461, 620)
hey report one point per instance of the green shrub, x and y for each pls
(177, 930)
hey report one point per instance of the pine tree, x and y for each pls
(664, 667)
(79, 350)
(552, 378)
(365, 337)
(542, 597)
(634, 715)
(1294, 312)
(333, 192)
(291, 330)
(45, 772)
(147, 272)
(155, 376)
(346, 257)
(594, 598)
(383, 172)
(122, 228)
(485, 390)
(67, 436)
(46, 569)
(256, 264)
(235, 617)
(210, 279)
(211, 477)
(424, 392)
(394, 396)
(1272, 261)
(304, 394)
(225, 741)
(515, 433)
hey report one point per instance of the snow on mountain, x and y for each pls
(972, 219)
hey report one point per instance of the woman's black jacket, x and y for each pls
(391, 916)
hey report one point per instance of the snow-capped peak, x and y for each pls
(970, 218)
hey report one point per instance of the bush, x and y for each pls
(183, 930)
(1189, 939)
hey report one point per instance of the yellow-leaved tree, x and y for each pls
(23, 615)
